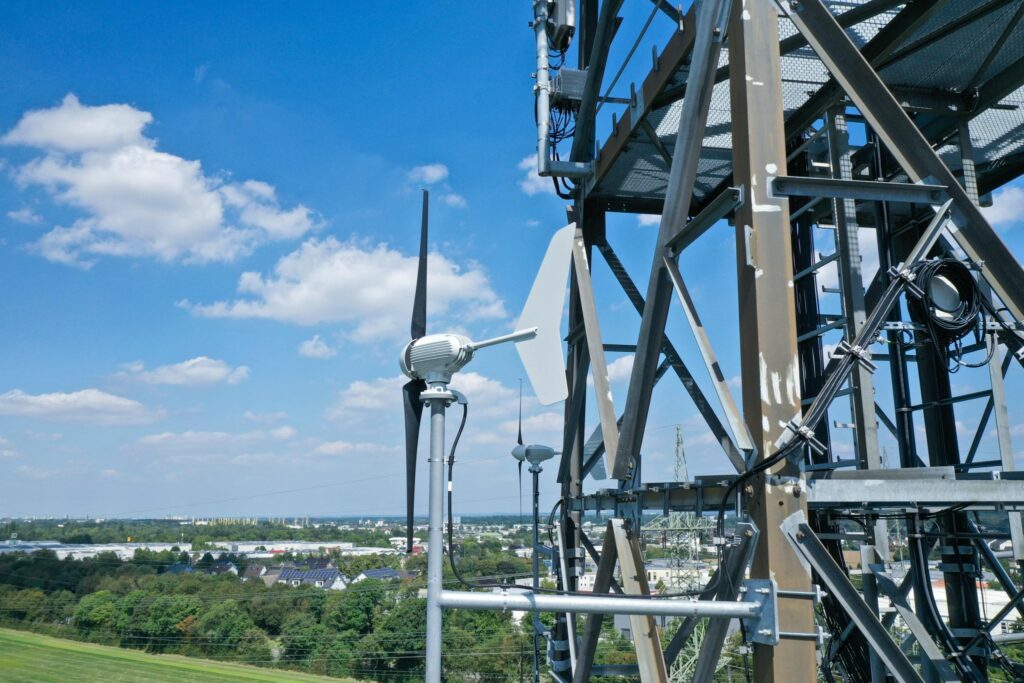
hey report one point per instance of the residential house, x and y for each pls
(254, 571)
(272, 574)
(382, 574)
(329, 579)
(223, 567)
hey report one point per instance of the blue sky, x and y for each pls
(207, 226)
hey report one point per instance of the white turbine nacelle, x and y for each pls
(436, 357)
(535, 453)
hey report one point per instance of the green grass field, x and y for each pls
(29, 657)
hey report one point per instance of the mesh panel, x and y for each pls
(945, 65)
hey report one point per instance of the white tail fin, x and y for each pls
(542, 356)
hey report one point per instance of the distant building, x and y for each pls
(329, 579)
(271, 575)
(223, 567)
(319, 563)
(254, 571)
(179, 568)
(382, 574)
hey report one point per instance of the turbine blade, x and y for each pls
(418, 328)
(542, 356)
(519, 439)
(413, 413)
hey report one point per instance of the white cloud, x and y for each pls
(136, 200)
(1007, 207)
(535, 426)
(327, 281)
(360, 397)
(621, 368)
(110, 473)
(7, 451)
(35, 472)
(199, 371)
(648, 219)
(316, 348)
(25, 215)
(73, 127)
(265, 417)
(428, 174)
(532, 183)
(618, 370)
(284, 433)
(193, 441)
(349, 448)
(454, 200)
(487, 397)
(87, 405)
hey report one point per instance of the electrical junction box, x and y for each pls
(567, 88)
(561, 23)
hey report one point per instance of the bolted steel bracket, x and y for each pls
(896, 272)
(859, 353)
(807, 434)
(764, 628)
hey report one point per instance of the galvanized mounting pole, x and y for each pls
(535, 470)
(438, 400)
(768, 347)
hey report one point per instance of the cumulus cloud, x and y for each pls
(265, 417)
(454, 200)
(428, 174)
(621, 368)
(35, 472)
(7, 450)
(192, 441)
(350, 448)
(488, 397)
(531, 183)
(648, 219)
(316, 348)
(139, 201)
(25, 215)
(199, 371)
(1007, 207)
(327, 281)
(87, 405)
(284, 433)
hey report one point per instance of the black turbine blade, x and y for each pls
(419, 305)
(413, 412)
(520, 439)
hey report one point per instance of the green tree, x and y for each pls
(301, 635)
(353, 609)
(167, 620)
(222, 628)
(97, 612)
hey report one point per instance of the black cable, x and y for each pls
(947, 328)
(451, 518)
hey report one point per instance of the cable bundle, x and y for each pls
(946, 324)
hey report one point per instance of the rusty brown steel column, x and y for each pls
(768, 349)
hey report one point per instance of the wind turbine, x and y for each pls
(535, 454)
(430, 361)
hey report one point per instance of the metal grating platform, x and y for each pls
(942, 65)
